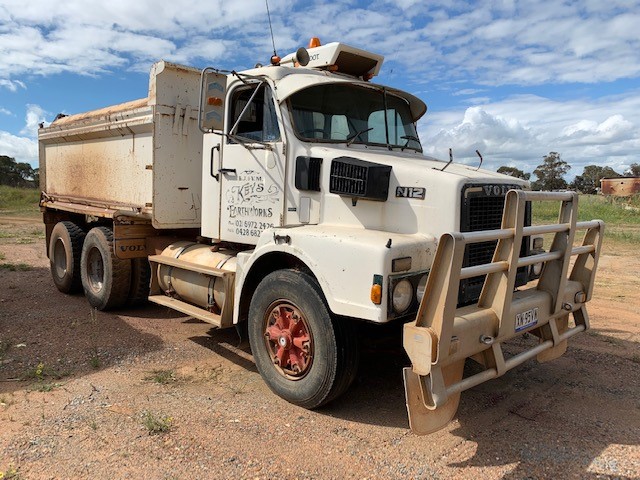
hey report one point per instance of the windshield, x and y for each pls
(341, 112)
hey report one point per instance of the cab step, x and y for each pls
(184, 307)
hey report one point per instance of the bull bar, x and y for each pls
(444, 335)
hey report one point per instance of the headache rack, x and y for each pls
(444, 335)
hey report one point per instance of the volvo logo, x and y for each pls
(496, 190)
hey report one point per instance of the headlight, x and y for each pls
(422, 285)
(402, 296)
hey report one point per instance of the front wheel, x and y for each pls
(304, 355)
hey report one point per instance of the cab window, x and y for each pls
(259, 121)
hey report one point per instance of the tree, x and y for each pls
(514, 172)
(589, 181)
(550, 173)
(633, 170)
(17, 174)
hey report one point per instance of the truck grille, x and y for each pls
(482, 210)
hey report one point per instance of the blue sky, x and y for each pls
(514, 79)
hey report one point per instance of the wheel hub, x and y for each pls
(285, 341)
(60, 258)
(288, 340)
(95, 269)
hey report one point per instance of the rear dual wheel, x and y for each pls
(106, 279)
(95, 269)
(65, 248)
(304, 354)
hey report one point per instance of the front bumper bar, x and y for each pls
(443, 336)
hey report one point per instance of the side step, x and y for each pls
(223, 319)
(184, 307)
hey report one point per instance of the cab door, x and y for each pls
(252, 165)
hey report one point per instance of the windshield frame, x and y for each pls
(389, 101)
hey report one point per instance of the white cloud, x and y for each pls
(4, 111)
(446, 45)
(495, 42)
(23, 149)
(90, 38)
(520, 130)
(467, 91)
(34, 117)
(12, 85)
(589, 132)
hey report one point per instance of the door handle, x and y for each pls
(227, 170)
(214, 175)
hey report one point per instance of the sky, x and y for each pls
(514, 79)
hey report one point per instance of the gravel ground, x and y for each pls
(148, 393)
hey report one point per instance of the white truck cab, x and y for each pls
(296, 197)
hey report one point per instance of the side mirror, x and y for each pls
(213, 90)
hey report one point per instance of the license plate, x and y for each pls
(526, 319)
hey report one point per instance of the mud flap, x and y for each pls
(424, 417)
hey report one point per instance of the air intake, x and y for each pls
(308, 173)
(355, 178)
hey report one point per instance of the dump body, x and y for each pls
(140, 157)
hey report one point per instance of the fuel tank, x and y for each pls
(196, 288)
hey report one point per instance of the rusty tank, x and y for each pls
(620, 187)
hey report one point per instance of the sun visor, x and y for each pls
(418, 107)
(291, 84)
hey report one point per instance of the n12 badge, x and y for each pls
(411, 192)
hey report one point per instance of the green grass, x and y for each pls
(15, 267)
(10, 473)
(624, 236)
(5, 345)
(22, 201)
(612, 211)
(621, 216)
(41, 372)
(94, 358)
(163, 377)
(156, 423)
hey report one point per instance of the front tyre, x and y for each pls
(303, 354)
(106, 279)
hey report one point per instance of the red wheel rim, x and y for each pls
(288, 339)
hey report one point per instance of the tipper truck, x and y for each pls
(295, 198)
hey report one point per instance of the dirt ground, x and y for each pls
(149, 393)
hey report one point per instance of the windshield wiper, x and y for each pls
(408, 138)
(354, 137)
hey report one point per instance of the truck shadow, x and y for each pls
(556, 420)
(47, 337)
(232, 344)
(577, 416)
